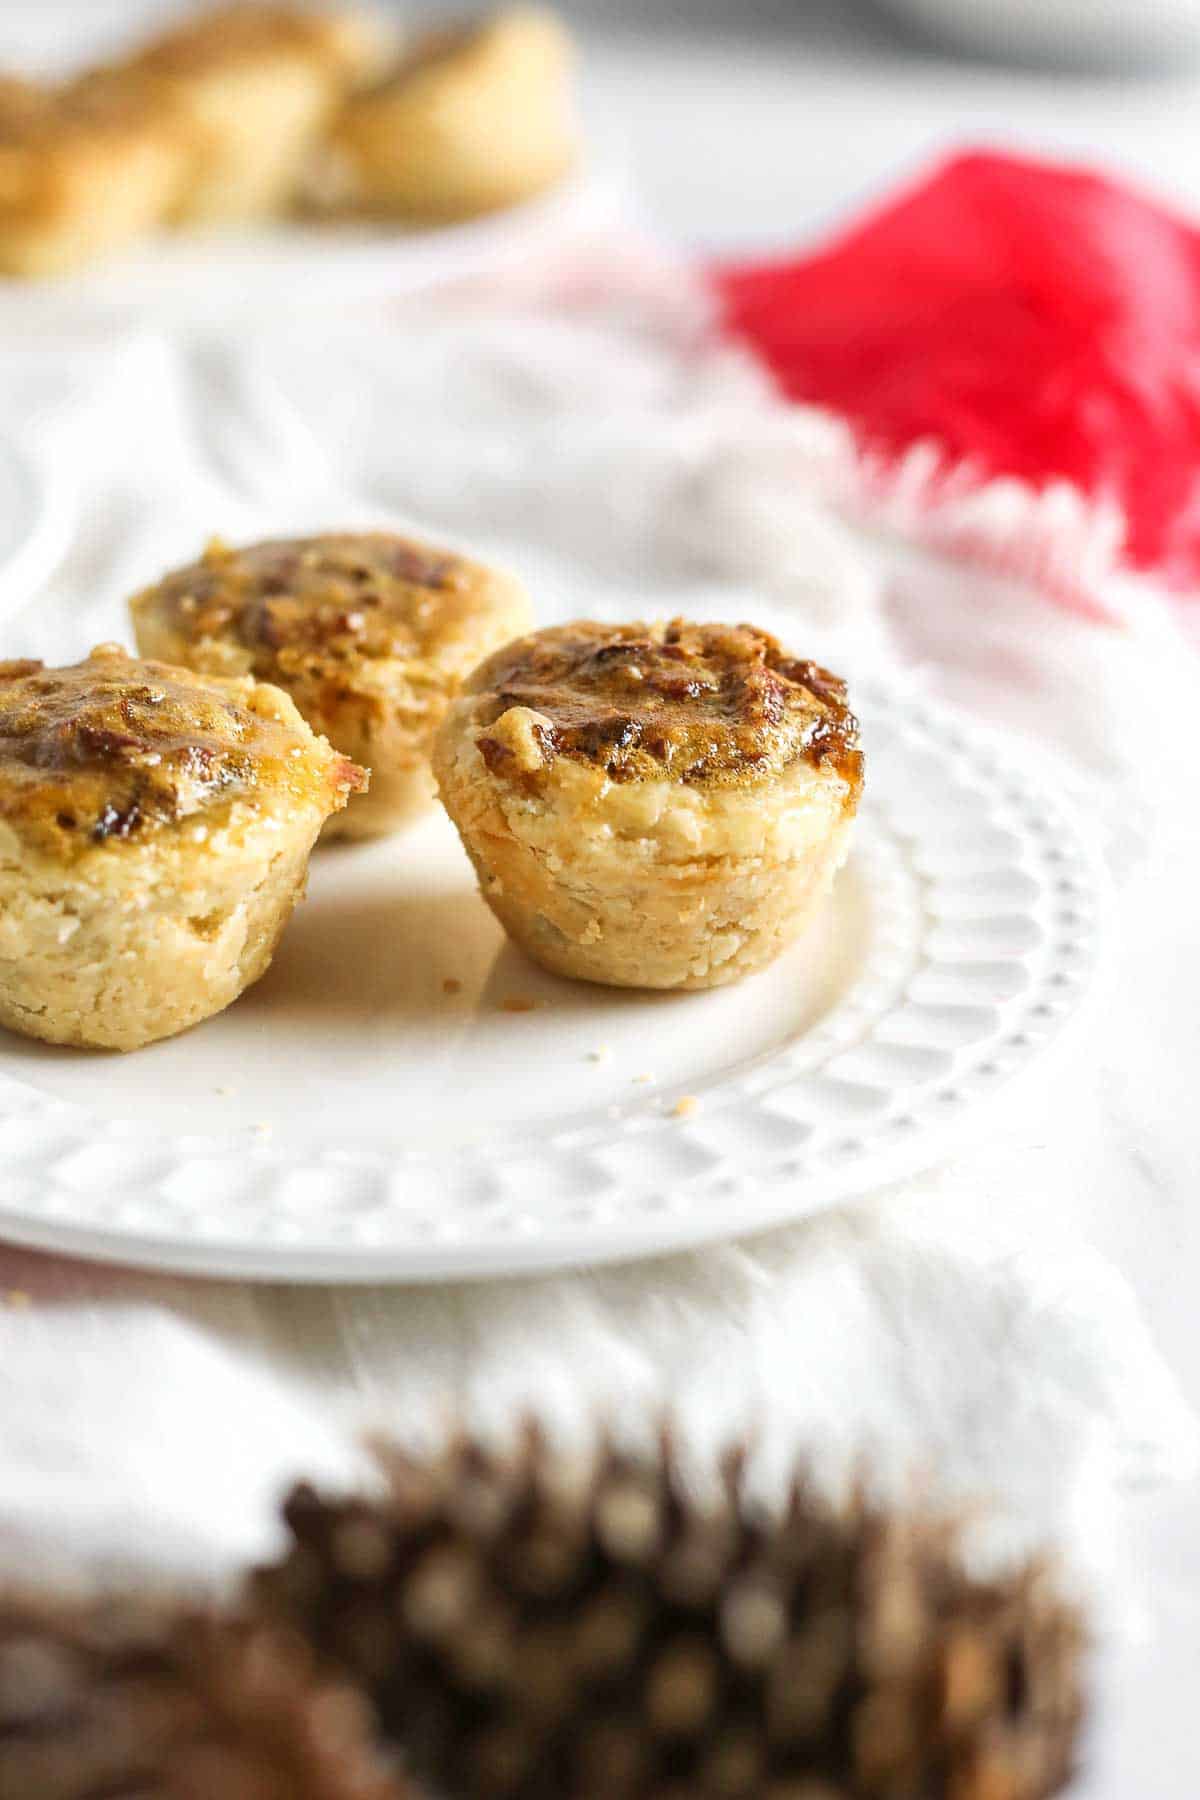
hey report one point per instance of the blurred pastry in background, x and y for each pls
(471, 119)
(250, 111)
(369, 633)
(250, 89)
(82, 172)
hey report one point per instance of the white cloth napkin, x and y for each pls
(577, 424)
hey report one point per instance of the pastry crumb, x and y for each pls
(18, 1298)
(224, 1092)
(518, 1003)
(600, 1054)
(685, 1106)
(263, 1128)
(642, 1080)
(452, 985)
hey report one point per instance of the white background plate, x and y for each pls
(351, 1119)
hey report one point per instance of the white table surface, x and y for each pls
(740, 136)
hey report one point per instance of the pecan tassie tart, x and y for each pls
(370, 633)
(656, 806)
(155, 830)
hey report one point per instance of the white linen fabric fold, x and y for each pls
(579, 426)
(151, 1425)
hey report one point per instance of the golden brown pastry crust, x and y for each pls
(370, 633)
(113, 748)
(694, 703)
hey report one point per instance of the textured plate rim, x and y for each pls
(917, 1124)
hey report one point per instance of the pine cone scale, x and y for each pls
(132, 1701)
(554, 1637)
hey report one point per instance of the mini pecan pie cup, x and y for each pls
(658, 806)
(155, 830)
(369, 633)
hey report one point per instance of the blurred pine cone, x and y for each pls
(103, 1701)
(528, 1631)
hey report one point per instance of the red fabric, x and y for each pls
(1038, 321)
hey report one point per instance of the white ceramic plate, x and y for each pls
(352, 1119)
(259, 274)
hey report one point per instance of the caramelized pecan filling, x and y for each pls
(309, 606)
(111, 747)
(696, 703)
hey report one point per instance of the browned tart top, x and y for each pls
(92, 111)
(111, 748)
(720, 704)
(226, 34)
(22, 105)
(312, 607)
